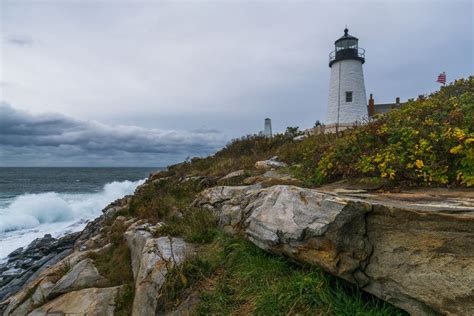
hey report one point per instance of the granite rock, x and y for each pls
(416, 255)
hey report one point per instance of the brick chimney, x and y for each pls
(371, 107)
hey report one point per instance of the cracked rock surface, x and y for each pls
(418, 255)
(91, 301)
(151, 259)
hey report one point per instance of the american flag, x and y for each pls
(442, 78)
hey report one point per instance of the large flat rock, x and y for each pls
(414, 250)
(82, 275)
(91, 301)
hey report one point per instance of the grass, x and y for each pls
(164, 200)
(232, 276)
(235, 277)
(194, 225)
(125, 300)
(115, 264)
(64, 268)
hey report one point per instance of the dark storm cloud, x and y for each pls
(55, 136)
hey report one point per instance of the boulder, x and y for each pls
(232, 178)
(208, 182)
(42, 290)
(271, 178)
(158, 256)
(415, 254)
(271, 163)
(191, 178)
(91, 301)
(25, 304)
(151, 259)
(24, 265)
(82, 275)
(234, 174)
(22, 309)
(112, 211)
(38, 286)
(136, 236)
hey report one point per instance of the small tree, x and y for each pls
(293, 131)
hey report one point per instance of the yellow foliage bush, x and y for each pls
(428, 141)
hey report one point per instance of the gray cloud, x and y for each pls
(61, 139)
(19, 40)
(207, 65)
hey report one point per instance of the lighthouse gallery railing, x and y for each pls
(359, 52)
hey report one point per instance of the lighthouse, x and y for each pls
(267, 131)
(347, 100)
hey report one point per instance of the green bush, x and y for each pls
(427, 141)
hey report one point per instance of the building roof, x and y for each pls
(346, 36)
(386, 107)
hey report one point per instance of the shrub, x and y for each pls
(162, 200)
(427, 141)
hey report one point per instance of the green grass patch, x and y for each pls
(194, 225)
(260, 283)
(163, 200)
(125, 301)
(115, 264)
(235, 277)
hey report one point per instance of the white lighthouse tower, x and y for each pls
(267, 131)
(347, 99)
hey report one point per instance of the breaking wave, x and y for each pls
(30, 210)
(30, 216)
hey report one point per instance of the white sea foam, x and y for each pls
(30, 216)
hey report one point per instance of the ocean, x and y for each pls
(57, 201)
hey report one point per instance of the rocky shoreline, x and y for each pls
(414, 250)
(25, 264)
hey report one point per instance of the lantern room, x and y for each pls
(347, 47)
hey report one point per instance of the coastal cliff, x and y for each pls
(378, 220)
(412, 249)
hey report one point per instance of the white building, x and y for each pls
(347, 99)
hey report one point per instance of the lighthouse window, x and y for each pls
(352, 43)
(348, 96)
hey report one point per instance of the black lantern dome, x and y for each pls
(347, 47)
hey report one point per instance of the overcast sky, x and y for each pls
(148, 83)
